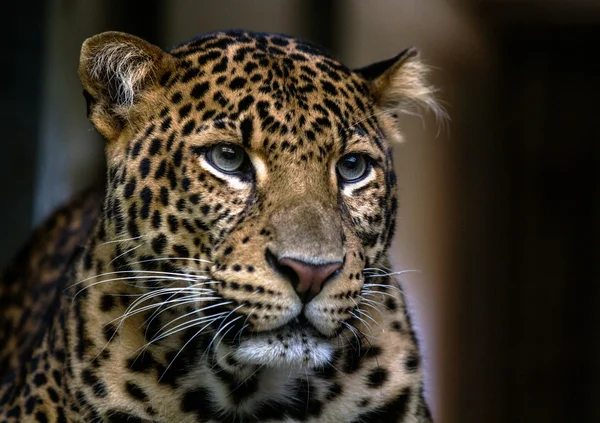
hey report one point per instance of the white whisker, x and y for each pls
(122, 240)
(380, 285)
(126, 252)
(361, 320)
(171, 258)
(368, 292)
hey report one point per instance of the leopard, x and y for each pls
(234, 267)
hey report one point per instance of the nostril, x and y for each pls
(285, 271)
(333, 275)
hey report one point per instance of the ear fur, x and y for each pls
(115, 69)
(399, 84)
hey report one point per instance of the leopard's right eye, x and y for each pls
(353, 167)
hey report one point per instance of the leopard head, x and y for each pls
(252, 175)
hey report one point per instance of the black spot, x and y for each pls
(136, 392)
(41, 417)
(221, 66)
(173, 223)
(14, 412)
(246, 127)
(121, 417)
(160, 172)
(279, 41)
(130, 188)
(176, 98)
(329, 88)
(237, 83)
(238, 392)
(391, 303)
(184, 111)
(396, 326)
(166, 124)
(135, 151)
(165, 78)
(107, 302)
(377, 377)
(133, 230)
(245, 103)
(30, 404)
(412, 363)
(155, 146)
(190, 74)
(98, 387)
(57, 377)
(40, 379)
(198, 401)
(211, 55)
(199, 90)
(143, 362)
(146, 196)
(391, 412)
(110, 331)
(159, 243)
(144, 167)
(334, 391)
(181, 251)
(188, 127)
(363, 402)
(373, 351)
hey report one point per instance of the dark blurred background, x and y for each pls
(500, 212)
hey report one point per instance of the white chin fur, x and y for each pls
(287, 348)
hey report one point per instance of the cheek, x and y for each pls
(184, 209)
(209, 204)
(369, 210)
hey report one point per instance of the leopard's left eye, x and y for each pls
(353, 167)
(227, 158)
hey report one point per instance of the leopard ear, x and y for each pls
(116, 71)
(399, 84)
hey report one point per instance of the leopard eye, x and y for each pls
(353, 167)
(227, 158)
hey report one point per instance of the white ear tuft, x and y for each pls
(400, 85)
(409, 89)
(116, 70)
(123, 66)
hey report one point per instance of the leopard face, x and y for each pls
(250, 192)
(262, 163)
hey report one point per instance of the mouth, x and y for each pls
(295, 344)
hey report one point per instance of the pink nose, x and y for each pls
(310, 277)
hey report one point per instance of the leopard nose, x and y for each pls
(310, 277)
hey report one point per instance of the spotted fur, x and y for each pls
(175, 306)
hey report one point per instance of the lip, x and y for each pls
(296, 343)
(298, 324)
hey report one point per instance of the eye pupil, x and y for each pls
(351, 162)
(228, 153)
(352, 167)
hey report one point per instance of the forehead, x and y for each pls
(290, 84)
